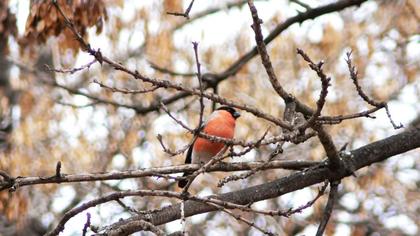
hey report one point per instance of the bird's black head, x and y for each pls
(232, 111)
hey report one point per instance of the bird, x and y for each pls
(221, 123)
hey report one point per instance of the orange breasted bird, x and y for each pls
(221, 123)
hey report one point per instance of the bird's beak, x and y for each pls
(236, 114)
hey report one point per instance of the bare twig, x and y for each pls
(150, 227)
(265, 58)
(240, 218)
(200, 84)
(186, 14)
(85, 46)
(125, 91)
(58, 170)
(255, 170)
(166, 149)
(362, 94)
(300, 3)
(329, 147)
(308, 204)
(247, 208)
(338, 119)
(86, 225)
(210, 11)
(325, 82)
(170, 72)
(6, 177)
(140, 225)
(332, 197)
(127, 208)
(73, 70)
(219, 157)
(92, 97)
(113, 196)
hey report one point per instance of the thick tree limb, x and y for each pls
(361, 157)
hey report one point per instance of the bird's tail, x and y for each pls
(183, 182)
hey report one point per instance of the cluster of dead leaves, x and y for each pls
(45, 21)
(7, 25)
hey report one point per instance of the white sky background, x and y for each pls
(216, 30)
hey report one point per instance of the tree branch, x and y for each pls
(332, 197)
(9, 182)
(361, 157)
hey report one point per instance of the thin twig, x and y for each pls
(332, 197)
(72, 70)
(58, 170)
(338, 119)
(265, 58)
(284, 213)
(325, 83)
(240, 218)
(170, 72)
(125, 91)
(200, 84)
(362, 94)
(300, 3)
(86, 225)
(186, 14)
(209, 11)
(219, 157)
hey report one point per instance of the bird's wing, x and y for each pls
(189, 154)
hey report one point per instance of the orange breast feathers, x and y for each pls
(220, 124)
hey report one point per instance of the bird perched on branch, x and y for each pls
(221, 123)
